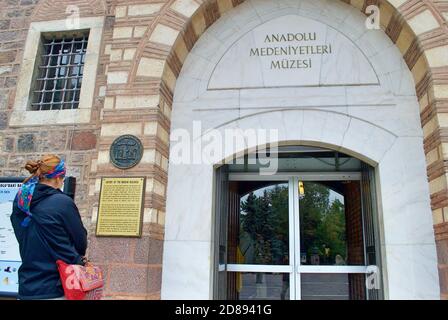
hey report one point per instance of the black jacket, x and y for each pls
(54, 232)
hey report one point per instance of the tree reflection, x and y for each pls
(264, 226)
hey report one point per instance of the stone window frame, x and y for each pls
(22, 115)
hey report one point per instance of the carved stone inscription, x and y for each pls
(292, 51)
(288, 47)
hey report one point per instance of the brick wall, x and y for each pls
(77, 144)
(132, 266)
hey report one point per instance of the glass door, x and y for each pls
(308, 232)
(330, 263)
(296, 236)
(261, 252)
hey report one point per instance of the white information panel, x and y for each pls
(9, 248)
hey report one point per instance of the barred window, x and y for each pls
(59, 74)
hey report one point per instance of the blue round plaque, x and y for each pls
(126, 152)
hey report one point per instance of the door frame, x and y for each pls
(295, 269)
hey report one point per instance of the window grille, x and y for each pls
(59, 75)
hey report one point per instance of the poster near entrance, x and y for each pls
(9, 249)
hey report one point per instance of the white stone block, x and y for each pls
(117, 77)
(164, 35)
(423, 22)
(150, 67)
(185, 7)
(144, 9)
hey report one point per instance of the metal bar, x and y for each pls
(64, 50)
(332, 269)
(59, 90)
(292, 243)
(59, 42)
(69, 60)
(65, 65)
(298, 279)
(49, 103)
(302, 176)
(11, 179)
(300, 269)
(259, 268)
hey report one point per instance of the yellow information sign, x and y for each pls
(120, 212)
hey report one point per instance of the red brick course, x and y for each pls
(85, 140)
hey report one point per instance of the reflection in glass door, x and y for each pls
(263, 226)
(259, 242)
(300, 238)
(330, 240)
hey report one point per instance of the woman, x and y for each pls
(48, 227)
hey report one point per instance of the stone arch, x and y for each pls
(353, 145)
(401, 21)
(414, 29)
(380, 147)
(418, 29)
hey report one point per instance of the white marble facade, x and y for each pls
(367, 108)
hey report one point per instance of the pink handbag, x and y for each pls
(81, 282)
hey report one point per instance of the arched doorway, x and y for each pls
(352, 93)
(307, 234)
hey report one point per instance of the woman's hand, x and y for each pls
(84, 260)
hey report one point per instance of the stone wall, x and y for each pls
(133, 266)
(76, 143)
(145, 43)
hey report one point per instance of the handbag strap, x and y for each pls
(47, 245)
(43, 237)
